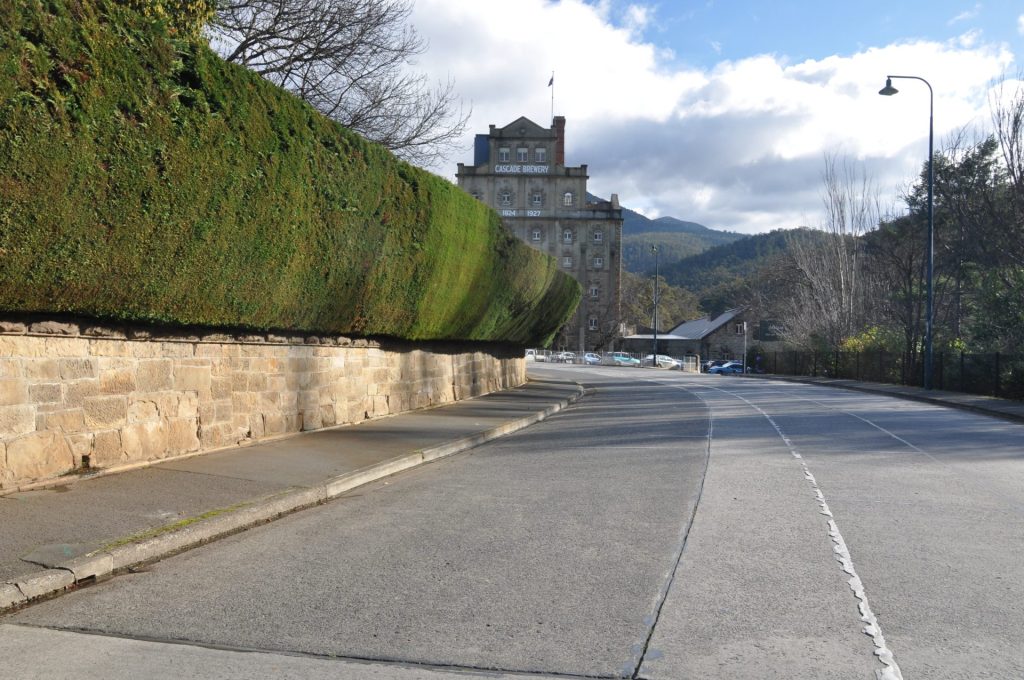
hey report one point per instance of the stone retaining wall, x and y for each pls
(74, 396)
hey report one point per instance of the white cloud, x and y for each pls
(966, 15)
(739, 146)
(1020, 24)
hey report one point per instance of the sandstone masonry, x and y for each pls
(74, 397)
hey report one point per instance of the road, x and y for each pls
(665, 527)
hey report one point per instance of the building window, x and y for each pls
(535, 235)
(598, 262)
(566, 261)
(741, 328)
(567, 236)
(540, 155)
(595, 292)
(592, 323)
(476, 194)
(522, 154)
(537, 198)
(598, 236)
(505, 197)
(504, 154)
(567, 198)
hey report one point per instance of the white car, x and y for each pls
(664, 361)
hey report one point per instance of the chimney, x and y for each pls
(558, 125)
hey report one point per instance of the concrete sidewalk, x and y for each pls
(67, 535)
(992, 406)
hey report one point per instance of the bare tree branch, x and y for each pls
(352, 61)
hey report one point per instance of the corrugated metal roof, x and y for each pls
(698, 329)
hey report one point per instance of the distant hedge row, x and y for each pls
(143, 178)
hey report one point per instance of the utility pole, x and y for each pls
(654, 352)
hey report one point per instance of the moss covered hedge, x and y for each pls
(142, 178)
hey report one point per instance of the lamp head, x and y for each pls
(888, 90)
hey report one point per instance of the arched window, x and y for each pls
(567, 198)
(567, 236)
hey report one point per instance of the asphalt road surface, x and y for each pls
(664, 527)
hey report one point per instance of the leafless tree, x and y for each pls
(1007, 106)
(352, 60)
(829, 303)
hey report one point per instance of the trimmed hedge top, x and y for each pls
(142, 178)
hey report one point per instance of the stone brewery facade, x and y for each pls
(519, 170)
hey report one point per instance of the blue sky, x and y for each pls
(705, 33)
(722, 112)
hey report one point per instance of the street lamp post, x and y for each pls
(888, 91)
(654, 353)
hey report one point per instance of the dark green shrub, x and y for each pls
(142, 178)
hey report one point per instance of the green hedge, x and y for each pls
(143, 178)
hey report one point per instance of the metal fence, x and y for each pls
(997, 375)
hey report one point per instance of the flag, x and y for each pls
(552, 81)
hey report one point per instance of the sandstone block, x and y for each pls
(188, 405)
(76, 369)
(257, 382)
(10, 368)
(54, 328)
(196, 378)
(110, 348)
(142, 410)
(274, 423)
(182, 435)
(43, 370)
(104, 332)
(21, 346)
(75, 393)
(67, 347)
(223, 412)
(143, 349)
(177, 349)
(310, 419)
(17, 420)
(144, 441)
(260, 425)
(107, 449)
(220, 388)
(72, 420)
(39, 455)
(45, 393)
(106, 412)
(13, 327)
(117, 381)
(328, 417)
(13, 391)
(154, 375)
(80, 445)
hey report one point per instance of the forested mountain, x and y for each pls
(674, 238)
(724, 263)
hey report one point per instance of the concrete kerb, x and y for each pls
(108, 562)
(889, 390)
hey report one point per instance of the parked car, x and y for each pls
(708, 365)
(566, 357)
(664, 361)
(591, 359)
(623, 359)
(726, 368)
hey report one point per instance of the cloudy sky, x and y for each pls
(721, 111)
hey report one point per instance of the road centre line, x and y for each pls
(891, 670)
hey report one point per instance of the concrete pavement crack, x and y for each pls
(663, 595)
(400, 663)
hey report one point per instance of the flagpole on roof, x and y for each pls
(551, 84)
